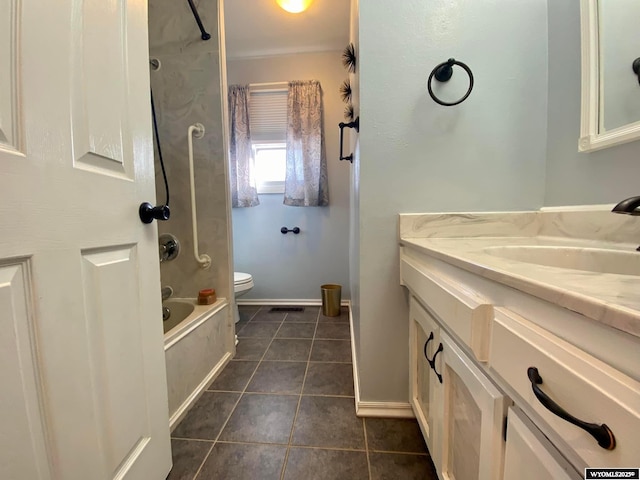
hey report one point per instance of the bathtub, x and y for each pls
(198, 343)
(186, 316)
(179, 310)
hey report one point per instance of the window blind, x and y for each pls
(268, 115)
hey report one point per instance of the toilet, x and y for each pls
(242, 283)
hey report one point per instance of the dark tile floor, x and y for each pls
(283, 408)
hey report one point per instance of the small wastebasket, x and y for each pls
(331, 299)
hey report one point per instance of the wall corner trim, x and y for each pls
(384, 409)
(374, 409)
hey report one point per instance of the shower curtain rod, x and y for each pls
(196, 15)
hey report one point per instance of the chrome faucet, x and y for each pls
(169, 247)
(628, 206)
(166, 292)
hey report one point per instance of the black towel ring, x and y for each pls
(443, 72)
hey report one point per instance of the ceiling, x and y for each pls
(257, 28)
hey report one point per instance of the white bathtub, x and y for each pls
(186, 315)
(179, 311)
(198, 343)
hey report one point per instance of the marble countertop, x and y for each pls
(461, 240)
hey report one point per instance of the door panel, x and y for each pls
(425, 387)
(99, 89)
(8, 76)
(474, 412)
(423, 375)
(465, 421)
(114, 339)
(23, 433)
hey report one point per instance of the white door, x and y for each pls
(425, 385)
(81, 356)
(473, 421)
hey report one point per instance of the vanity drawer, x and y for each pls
(463, 312)
(582, 385)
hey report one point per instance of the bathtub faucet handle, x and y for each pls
(166, 292)
(169, 247)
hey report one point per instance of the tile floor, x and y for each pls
(283, 408)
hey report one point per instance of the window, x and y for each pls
(270, 163)
(268, 117)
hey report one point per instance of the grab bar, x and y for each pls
(196, 130)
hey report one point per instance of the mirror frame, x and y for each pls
(590, 137)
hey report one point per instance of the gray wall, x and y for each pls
(187, 90)
(573, 178)
(415, 156)
(294, 266)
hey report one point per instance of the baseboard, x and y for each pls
(181, 412)
(311, 302)
(384, 409)
(374, 409)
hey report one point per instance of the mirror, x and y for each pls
(610, 86)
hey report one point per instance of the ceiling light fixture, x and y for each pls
(294, 6)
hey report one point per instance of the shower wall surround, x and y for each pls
(187, 90)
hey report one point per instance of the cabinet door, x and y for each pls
(474, 413)
(425, 387)
(529, 455)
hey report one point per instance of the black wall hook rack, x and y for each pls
(285, 230)
(443, 73)
(355, 124)
(204, 34)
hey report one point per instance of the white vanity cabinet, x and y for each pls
(501, 349)
(460, 411)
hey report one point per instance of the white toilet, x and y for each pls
(242, 283)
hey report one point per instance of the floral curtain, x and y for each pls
(243, 184)
(306, 183)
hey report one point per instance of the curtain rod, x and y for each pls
(269, 84)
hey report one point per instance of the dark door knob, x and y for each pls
(149, 213)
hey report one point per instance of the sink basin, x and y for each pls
(586, 259)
